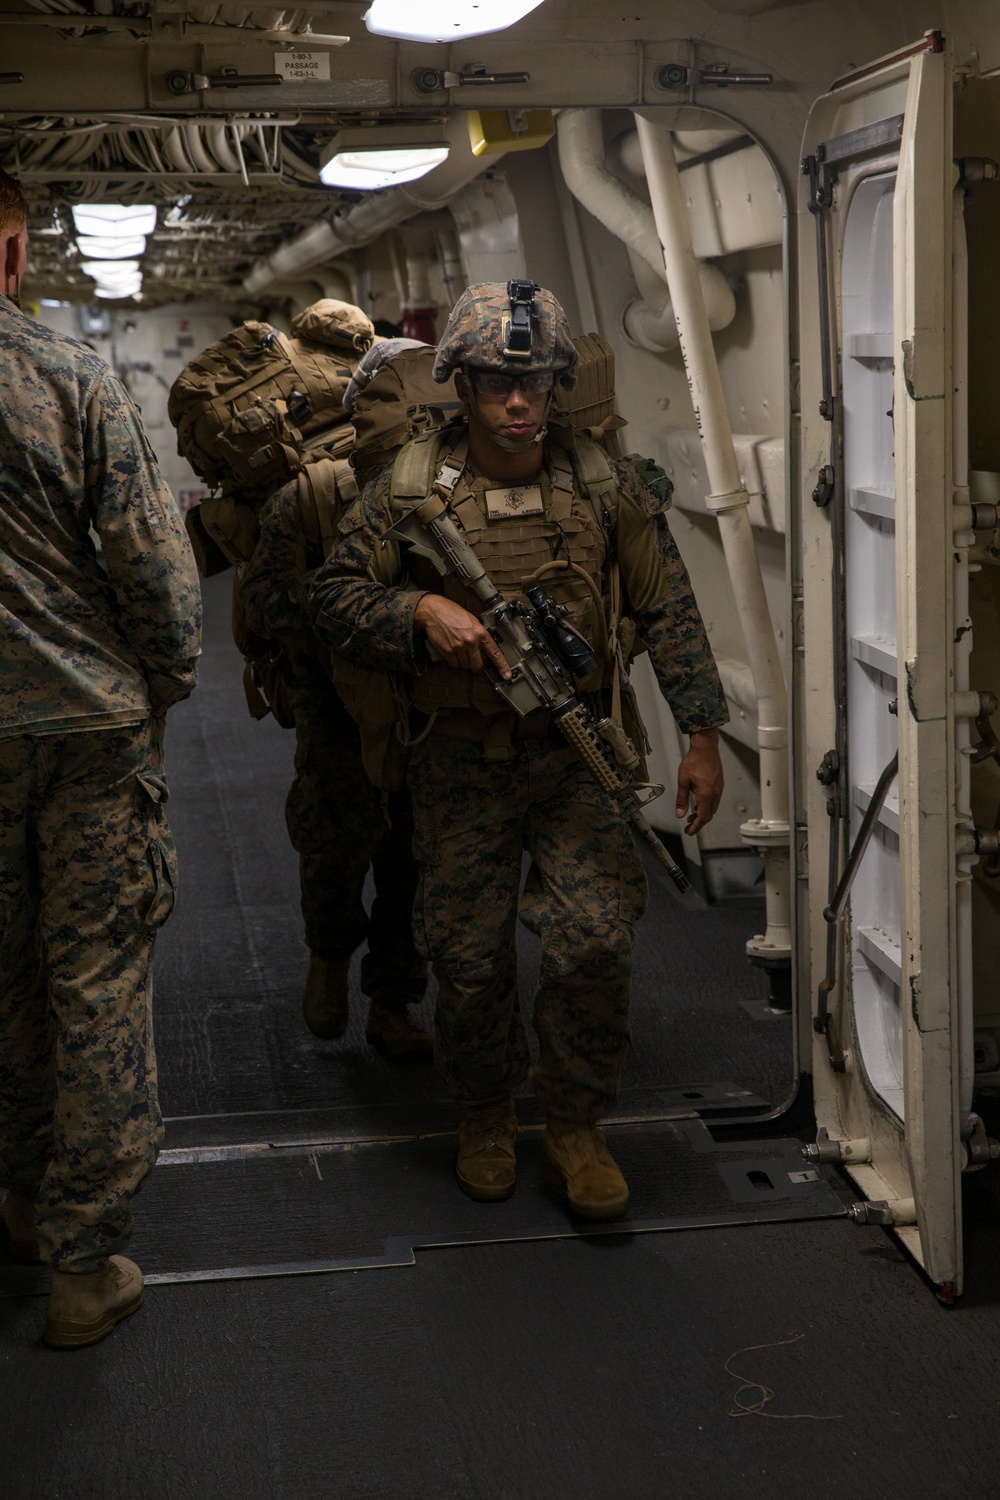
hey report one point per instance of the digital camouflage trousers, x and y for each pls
(585, 890)
(338, 829)
(87, 875)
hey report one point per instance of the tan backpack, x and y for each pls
(590, 405)
(250, 407)
(399, 400)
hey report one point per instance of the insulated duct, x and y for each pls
(649, 321)
(374, 215)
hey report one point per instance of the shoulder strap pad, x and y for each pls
(596, 478)
(325, 488)
(416, 467)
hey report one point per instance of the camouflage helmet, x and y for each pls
(514, 328)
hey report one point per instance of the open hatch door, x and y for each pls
(884, 671)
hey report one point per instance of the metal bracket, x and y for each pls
(432, 80)
(980, 1148)
(179, 83)
(989, 745)
(677, 76)
(826, 484)
(822, 1149)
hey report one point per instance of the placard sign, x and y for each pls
(303, 67)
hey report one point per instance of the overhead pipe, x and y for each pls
(729, 502)
(374, 215)
(590, 180)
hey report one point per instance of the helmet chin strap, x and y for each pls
(510, 445)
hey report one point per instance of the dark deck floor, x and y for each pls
(579, 1369)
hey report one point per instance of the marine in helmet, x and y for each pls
(335, 818)
(486, 786)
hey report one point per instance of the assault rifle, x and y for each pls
(546, 656)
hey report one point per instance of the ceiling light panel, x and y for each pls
(381, 169)
(103, 247)
(444, 20)
(114, 220)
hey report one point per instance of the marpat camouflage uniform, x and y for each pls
(335, 820)
(94, 653)
(474, 814)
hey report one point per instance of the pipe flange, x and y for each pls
(767, 832)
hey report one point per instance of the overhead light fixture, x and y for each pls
(444, 20)
(383, 156)
(115, 220)
(114, 278)
(105, 247)
(380, 169)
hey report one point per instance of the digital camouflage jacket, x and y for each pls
(89, 641)
(372, 625)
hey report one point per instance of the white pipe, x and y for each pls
(196, 149)
(611, 201)
(375, 214)
(649, 321)
(963, 651)
(729, 501)
(450, 256)
(418, 259)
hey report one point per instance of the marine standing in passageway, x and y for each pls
(334, 816)
(94, 653)
(487, 785)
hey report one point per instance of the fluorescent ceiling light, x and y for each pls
(111, 270)
(386, 167)
(114, 278)
(117, 220)
(444, 20)
(104, 247)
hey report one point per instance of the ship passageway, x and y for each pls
(346, 1159)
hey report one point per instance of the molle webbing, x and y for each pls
(325, 489)
(565, 548)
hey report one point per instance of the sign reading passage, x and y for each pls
(303, 67)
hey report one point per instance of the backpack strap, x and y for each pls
(325, 489)
(597, 480)
(419, 468)
(320, 366)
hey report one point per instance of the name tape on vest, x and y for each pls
(520, 500)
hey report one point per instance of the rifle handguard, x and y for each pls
(574, 728)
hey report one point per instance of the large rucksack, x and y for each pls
(249, 409)
(394, 403)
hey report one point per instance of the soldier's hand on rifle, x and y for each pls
(700, 776)
(457, 636)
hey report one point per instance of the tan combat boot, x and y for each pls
(326, 998)
(19, 1217)
(398, 1035)
(577, 1156)
(486, 1167)
(83, 1309)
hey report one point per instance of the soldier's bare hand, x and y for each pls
(457, 636)
(700, 777)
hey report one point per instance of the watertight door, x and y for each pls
(882, 681)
